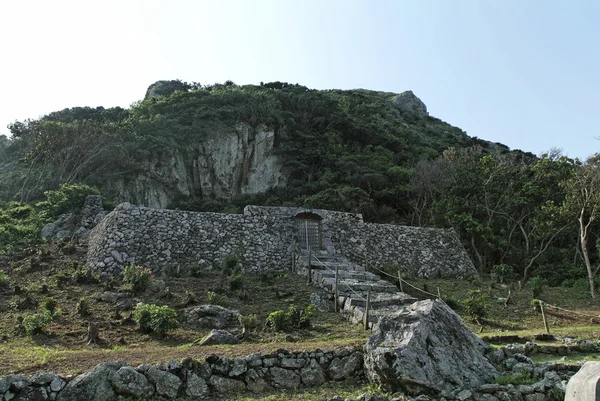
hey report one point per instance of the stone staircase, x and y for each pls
(353, 284)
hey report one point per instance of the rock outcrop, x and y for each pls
(211, 317)
(585, 384)
(425, 349)
(227, 163)
(408, 101)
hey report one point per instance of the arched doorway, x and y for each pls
(308, 227)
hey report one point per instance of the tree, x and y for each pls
(583, 203)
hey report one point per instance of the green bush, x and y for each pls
(69, 197)
(155, 319)
(504, 272)
(453, 303)
(36, 322)
(535, 304)
(212, 298)
(83, 307)
(250, 322)
(537, 284)
(61, 279)
(230, 264)
(137, 277)
(49, 304)
(514, 379)
(279, 320)
(2, 278)
(475, 304)
(236, 282)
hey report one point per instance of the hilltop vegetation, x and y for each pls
(518, 215)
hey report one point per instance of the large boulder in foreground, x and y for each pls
(585, 384)
(425, 349)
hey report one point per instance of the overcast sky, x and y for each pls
(524, 73)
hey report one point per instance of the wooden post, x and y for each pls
(336, 290)
(400, 280)
(309, 265)
(367, 307)
(544, 317)
(439, 295)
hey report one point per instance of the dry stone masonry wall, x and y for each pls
(263, 238)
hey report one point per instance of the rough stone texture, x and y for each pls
(223, 385)
(425, 348)
(262, 237)
(76, 226)
(93, 385)
(196, 387)
(321, 301)
(313, 375)
(167, 384)
(585, 384)
(284, 378)
(408, 101)
(219, 337)
(127, 381)
(211, 317)
(230, 162)
(341, 367)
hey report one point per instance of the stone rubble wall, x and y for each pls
(215, 376)
(263, 238)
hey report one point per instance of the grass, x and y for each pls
(62, 347)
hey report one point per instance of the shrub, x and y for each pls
(83, 275)
(537, 285)
(68, 198)
(2, 278)
(61, 279)
(49, 304)
(83, 307)
(230, 264)
(279, 320)
(535, 304)
(236, 282)
(212, 298)
(452, 302)
(155, 319)
(475, 304)
(35, 323)
(504, 272)
(514, 379)
(137, 277)
(250, 322)
(306, 315)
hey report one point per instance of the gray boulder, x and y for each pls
(93, 385)
(585, 384)
(49, 230)
(167, 384)
(219, 337)
(224, 385)
(408, 101)
(211, 317)
(196, 387)
(128, 381)
(425, 349)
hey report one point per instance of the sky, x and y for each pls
(523, 73)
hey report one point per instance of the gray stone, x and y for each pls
(283, 378)
(224, 385)
(57, 384)
(313, 375)
(43, 378)
(585, 384)
(294, 363)
(425, 348)
(407, 101)
(112, 297)
(167, 384)
(342, 368)
(464, 395)
(62, 234)
(196, 387)
(31, 394)
(48, 231)
(321, 301)
(239, 367)
(93, 385)
(255, 383)
(128, 381)
(211, 317)
(219, 337)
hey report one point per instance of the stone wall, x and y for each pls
(263, 238)
(216, 376)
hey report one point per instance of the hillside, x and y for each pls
(222, 146)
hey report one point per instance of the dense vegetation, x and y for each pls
(519, 216)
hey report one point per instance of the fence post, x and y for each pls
(439, 295)
(367, 307)
(309, 265)
(336, 291)
(400, 280)
(544, 317)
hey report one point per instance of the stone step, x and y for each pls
(361, 287)
(345, 274)
(379, 300)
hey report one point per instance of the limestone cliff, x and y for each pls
(225, 164)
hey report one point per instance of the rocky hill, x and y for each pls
(206, 147)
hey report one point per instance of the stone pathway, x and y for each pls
(353, 284)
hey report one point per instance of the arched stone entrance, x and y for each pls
(309, 231)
